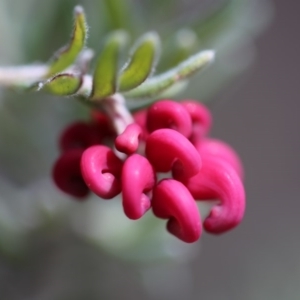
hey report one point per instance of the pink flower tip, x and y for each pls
(101, 170)
(138, 179)
(172, 200)
(128, 141)
(168, 150)
(201, 119)
(169, 114)
(219, 180)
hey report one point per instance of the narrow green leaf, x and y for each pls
(142, 62)
(67, 55)
(156, 85)
(106, 71)
(119, 14)
(62, 84)
(171, 92)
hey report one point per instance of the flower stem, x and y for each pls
(115, 108)
(22, 76)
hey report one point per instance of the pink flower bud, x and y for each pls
(102, 122)
(128, 141)
(140, 119)
(218, 180)
(169, 114)
(138, 178)
(67, 176)
(201, 119)
(220, 149)
(167, 149)
(101, 170)
(171, 200)
(79, 135)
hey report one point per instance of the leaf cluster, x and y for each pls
(67, 71)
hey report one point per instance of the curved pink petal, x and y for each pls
(138, 178)
(128, 141)
(201, 118)
(220, 149)
(67, 176)
(171, 200)
(169, 114)
(168, 150)
(140, 119)
(218, 180)
(79, 135)
(101, 171)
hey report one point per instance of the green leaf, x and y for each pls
(62, 84)
(174, 90)
(106, 71)
(142, 62)
(219, 20)
(156, 85)
(179, 47)
(67, 55)
(119, 15)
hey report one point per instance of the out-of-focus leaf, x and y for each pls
(83, 60)
(68, 54)
(119, 14)
(106, 71)
(173, 91)
(142, 62)
(158, 84)
(216, 22)
(179, 47)
(63, 84)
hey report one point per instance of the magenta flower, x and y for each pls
(217, 148)
(138, 179)
(101, 170)
(67, 174)
(169, 114)
(128, 141)
(218, 180)
(173, 201)
(201, 119)
(168, 150)
(170, 138)
(79, 135)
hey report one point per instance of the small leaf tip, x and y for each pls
(78, 9)
(121, 35)
(152, 35)
(209, 55)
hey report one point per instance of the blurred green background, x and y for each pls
(53, 248)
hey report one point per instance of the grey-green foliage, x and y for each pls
(64, 76)
(221, 28)
(106, 71)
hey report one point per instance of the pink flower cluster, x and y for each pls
(167, 137)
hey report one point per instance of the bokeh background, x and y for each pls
(49, 246)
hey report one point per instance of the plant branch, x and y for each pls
(22, 76)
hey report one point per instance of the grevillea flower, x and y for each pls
(79, 135)
(101, 170)
(138, 179)
(173, 201)
(171, 138)
(67, 174)
(128, 141)
(169, 114)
